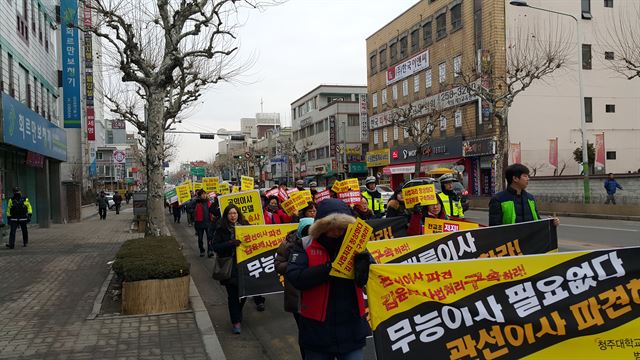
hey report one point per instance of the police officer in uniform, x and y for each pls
(450, 199)
(373, 196)
(19, 214)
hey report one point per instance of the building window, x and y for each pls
(383, 59)
(99, 156)
(441, 26)
(608, 3)
(375, 137)
(456, 17)
(427, 79)
(320, 153)
(395, 133)
(443, 123)
(373, 64)
(310, 130)
(588, 110)
(457, 119)
(457, 66)
(374, 100)
(40, 24)
(586, 56)
(442, 72)
(611, 155)
(427, 35)
(608, 55)
(385, 136)
(394, 92)
(405, 88)
(610, 108)
(586, 9)
(404, 45)
(393, 49)
(319, 127)
(384, 97)
(415, 40)
(12, 87)
(353, 119)
(416, 84)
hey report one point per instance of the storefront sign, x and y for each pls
(23, 128)
(358, 168)
(70, 63)
(364, 120)
(378, 158)
(408, 68)
(35, 160)
(438, 149)
(479, 147)
(354, 149)
(119, 156)
(117, 124)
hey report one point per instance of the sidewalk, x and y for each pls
(47, 290)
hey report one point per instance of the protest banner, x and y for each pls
(249, 204)
(271, 193)
(210, 184)
(197, 186)
(256, 255)
(322, 195)
(433, 226)
(351, 184)
(389, 228)
(295, 203)
(235, 189)
(339, 187)
(350, 197)
(246, 183)
(535, 237)
(305, 194)
(421, 194)
(223, 188)
(184, 193)
(188, 183)
(171, 196)
(282, 194)
(355, 241)
(577, 305)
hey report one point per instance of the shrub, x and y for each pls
(150, 258)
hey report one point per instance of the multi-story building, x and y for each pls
(33, 143)
(277, 165)
(420, 55)
(329, 126)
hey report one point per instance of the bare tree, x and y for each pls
(295, 152)
(169, 52)
(531, 56)
(622, 36)
(418, 120)
(535, 167)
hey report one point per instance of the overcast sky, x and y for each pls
(296, 46)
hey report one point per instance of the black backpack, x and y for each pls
(19, 209)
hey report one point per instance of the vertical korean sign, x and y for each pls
(516, 157)
(333, 137)
(553, 152)
(88, 74)
(364, 119)
(600, 151)
(70, 63)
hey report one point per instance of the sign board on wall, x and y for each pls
(70, 63)
(364, 120)
(119, 156)
(408, 68)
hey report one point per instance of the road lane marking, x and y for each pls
(598, 227)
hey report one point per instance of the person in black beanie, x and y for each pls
(332, 312)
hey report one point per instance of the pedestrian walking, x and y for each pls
(177, 212)
(514, 205)
(332, 311)
(103, 204)
(117, 200)
(450, 199)
(611, 185)
(224, 245)
(19, 213)
(203, 217)
(127, 196)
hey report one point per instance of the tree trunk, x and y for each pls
(502, 154)
(155, 156)
(418, 161)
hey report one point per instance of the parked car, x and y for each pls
(457, 187)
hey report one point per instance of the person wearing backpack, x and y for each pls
(19, 214)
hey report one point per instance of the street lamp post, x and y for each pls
(583, 122)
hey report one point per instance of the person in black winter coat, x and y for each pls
(332, 322)
(225, 244)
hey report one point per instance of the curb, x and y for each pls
(97, 303)
(209, 338)
(582, 215)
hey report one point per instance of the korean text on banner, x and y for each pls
(223, 189)
(535, 237)
(355, 241)
(271, 193)
(298, 201)
(322, 195)
(235, 189)
(338, 187)
(432, 226)
(256, 256)
(350, 197)
(579, 305)
(184, 193)
(246, 183)
(197, 186)
(210, 184)
(351, 184)
(419, 195)
(249, 204)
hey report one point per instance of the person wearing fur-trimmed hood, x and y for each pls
(332, 322)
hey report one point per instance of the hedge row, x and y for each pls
(150, 258)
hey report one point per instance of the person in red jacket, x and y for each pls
(273, 213)
(419, 213)
(203, 216)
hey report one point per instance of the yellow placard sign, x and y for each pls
(419, 195)
(235, 189)
(197, 186)
(247, 183)
(298, 201)
(210, 184)
(249, 204)
(223, 189)
(355, 241)
(184, 193)
(351, 184)
(432, 226)
(257, 239)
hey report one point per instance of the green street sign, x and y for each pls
(358, 168)
(197, 171)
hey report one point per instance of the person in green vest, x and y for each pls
(373, 197)
(450, 199)
(514, 205)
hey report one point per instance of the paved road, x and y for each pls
(585, 234)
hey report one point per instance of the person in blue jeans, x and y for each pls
(611, 185)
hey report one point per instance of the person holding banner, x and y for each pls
(225, 244)
(332, 321)
(395, 206)
(419, 213)
(309, 212)
(273, 213)
(514, 205)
